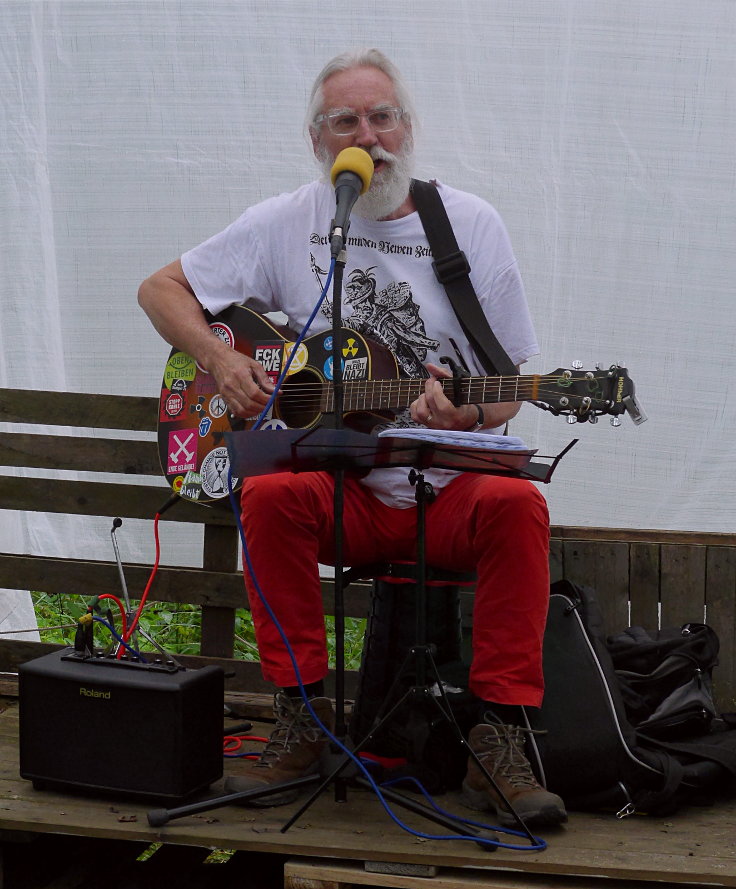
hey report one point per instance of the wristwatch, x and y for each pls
(480, 420)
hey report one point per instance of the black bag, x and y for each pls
(666, 678)
(588, 751)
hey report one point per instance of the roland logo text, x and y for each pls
(94, 693)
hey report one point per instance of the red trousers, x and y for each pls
(498, 526)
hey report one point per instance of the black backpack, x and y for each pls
(665, 678)
(589, 751)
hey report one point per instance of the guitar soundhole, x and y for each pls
(299, 404)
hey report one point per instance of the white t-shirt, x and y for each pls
(276, 256)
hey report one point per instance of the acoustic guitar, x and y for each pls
(193, 415)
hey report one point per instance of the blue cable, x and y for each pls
(539, 843)
(292, 354)
(120, 639)
(539, 846)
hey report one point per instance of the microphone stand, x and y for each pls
(350, 181)
(338, 509)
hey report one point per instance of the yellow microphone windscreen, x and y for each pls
(354, 160)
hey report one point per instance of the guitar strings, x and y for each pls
(365, 393)
(302, 393)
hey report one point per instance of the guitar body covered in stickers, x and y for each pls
(193, 416)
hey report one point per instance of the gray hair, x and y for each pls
(361, 58)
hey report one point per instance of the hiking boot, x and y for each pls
(293, 750)
(501, 750)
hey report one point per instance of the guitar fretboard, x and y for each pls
(376, 395)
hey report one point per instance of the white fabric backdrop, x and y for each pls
(603, 133)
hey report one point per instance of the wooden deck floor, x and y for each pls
(696, 846)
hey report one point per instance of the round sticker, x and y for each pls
(223, 332)
(217, 407)
(180, 366)
(214, 471)
(300, 359)
(272, 423)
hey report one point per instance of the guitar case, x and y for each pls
(585, 748)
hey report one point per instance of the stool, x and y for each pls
(390, 637)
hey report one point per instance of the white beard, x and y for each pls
(389, 187)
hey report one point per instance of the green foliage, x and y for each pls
(175, 627)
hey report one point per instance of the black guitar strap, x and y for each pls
(452, 270)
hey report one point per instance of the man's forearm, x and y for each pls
(175, 312)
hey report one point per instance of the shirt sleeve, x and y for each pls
(228, 269)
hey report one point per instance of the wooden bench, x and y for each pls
(646, 576)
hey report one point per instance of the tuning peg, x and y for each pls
(577, 364)
(570, 419)
(593, 418)
(615, 421)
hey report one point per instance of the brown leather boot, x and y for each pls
(293, 750)
(501, 750)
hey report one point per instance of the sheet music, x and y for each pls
(485, 441)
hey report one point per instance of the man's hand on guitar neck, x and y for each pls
(435, 410)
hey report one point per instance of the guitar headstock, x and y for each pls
(584, 395)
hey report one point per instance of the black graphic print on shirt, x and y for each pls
(390, 316)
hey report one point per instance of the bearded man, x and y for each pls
(497, 526)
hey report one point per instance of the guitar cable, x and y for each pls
(292, 355)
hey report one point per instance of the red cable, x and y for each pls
(134, 623)
(123, 616)
(238, 739)
(231, 743)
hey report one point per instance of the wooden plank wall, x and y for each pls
(657, 578)
(640, 576)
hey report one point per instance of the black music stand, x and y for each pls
(339, 450)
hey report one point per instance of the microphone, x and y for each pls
(351, 175)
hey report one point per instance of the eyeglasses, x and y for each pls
(346, 123)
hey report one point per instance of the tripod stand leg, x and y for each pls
(335, 774)
(446, 712)
(159, 817)
(448, 823)
(333, 777)
(444, 708)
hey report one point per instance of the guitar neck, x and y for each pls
(377, 395)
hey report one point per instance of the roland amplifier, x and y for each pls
(99, 724)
